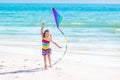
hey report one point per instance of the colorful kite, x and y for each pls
(58, 20)
(57, 17)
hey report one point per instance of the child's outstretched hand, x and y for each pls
(60, 47)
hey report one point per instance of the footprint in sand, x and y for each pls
(1, 66)
(58, 68)
(17, 77)
(38, 64)
(2, 62)
(25, 59)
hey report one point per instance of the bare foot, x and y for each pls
(50, 66)
(45, 67)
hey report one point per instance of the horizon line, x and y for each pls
(54, 3)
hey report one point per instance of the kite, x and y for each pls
(58, 18)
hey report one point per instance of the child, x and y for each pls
(46, 50)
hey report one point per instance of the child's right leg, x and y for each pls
(45, 62)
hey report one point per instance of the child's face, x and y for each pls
(47, 34)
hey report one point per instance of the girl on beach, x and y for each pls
(46, 50)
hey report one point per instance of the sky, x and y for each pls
(63, 1)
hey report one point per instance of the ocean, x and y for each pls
(90, 28)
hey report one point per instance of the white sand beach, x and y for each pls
(26, 63)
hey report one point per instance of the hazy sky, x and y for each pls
(61, 1)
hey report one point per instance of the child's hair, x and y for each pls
(45, 32)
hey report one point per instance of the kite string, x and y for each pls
(65, 47)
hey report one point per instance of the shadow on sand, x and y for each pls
(23, 71)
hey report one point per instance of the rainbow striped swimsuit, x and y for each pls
(46, 46)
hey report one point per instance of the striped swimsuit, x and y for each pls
(46, 46)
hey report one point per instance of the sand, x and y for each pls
(26, 63)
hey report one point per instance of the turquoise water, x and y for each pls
(87, 26)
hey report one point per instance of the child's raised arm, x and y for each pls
(42, 28)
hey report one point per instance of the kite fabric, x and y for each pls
(58, 18)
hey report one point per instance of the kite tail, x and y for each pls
(65, 48)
